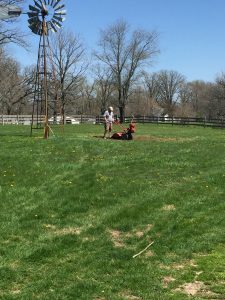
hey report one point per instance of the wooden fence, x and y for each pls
(220, 123)
(79, 119)
(27, 119)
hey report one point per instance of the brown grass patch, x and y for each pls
(14, 265)
(154, 138)
(16, 292)
(191, 289)
(49, 226)
(140, 233)
(167, 280)
(62, 231)
(169, 207)
(129, 296)
(149, 253)
(196, 288)
(162, 139)
(67, 231)
(116, 237)
(185, 264)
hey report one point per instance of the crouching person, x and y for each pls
(108, 122)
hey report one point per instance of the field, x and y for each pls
(75, 209)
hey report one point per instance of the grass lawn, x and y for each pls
(76, 208)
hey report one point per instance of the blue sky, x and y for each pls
(191, 32)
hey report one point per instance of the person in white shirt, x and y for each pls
(108, 121)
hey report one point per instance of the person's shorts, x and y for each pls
(108, 126)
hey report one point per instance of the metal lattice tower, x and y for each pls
(44, 16)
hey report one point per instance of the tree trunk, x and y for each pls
(122, 114)
(63, 114)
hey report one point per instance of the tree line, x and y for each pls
(118, 73)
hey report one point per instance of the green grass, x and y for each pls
(76, 208)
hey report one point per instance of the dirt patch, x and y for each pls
(154, 138)
(167, 280)
(149, 253)
(116, 237)
(119, 237)
(49, 226)
(129, 296)
(179, 266)
(140, 232)
(170, 207)
(162, 139)
(194, 288)
(185, 264)
(62, 231)
(15, 292)
(67, 231)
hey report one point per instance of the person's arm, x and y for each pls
(105, 117)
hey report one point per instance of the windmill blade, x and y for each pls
(34, 8)
(61, 13)
(32, 14)
(40, 2)
(34, 20)
(57, 24)
(51, 27)
(58, 18)
(52, 2)
(35, 29)
(45, 2)
(59, 7)
(35, 26)
(37, 4)
(49, 2)
(56, 3)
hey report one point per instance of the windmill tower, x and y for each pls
(44, 16)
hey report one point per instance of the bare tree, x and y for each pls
(152, 92)
(8, 32)
(125, 56)
(14, 86)
(88, 97)
(170, 84)
(70, 66)
(104, 86)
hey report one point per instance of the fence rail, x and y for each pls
(173, 121)
(27, 119)
(79, 119)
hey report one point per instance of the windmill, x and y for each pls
(44, 16)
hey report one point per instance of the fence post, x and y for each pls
(204, 121)
(81, 119)
(172, 120)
